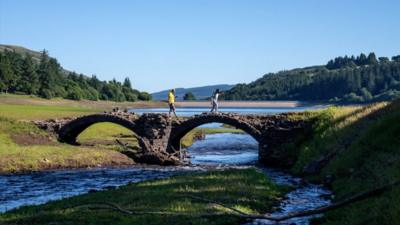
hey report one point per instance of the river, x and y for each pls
(216, 150)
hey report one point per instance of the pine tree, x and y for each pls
(127, 83)
(29, 81)
(372, 59)
(362, 60)
(6, 74)
(45, 78)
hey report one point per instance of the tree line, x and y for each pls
(343, 79)
(44, 77)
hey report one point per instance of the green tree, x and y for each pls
(384, 59)
(144, 96)
(189, 96)
(396, 58)
(75, 93)
(372, 59)
(6, 74)
(365, 94)
(91, 94)
(45, 78)
(29, 81)
(362, 60)
(127, 83)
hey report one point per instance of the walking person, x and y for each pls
(214, 101)
(171, 102)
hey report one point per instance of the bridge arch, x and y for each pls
(180, 130)
(70, 131)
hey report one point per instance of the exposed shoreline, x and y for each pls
(242, 104)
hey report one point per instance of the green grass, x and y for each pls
(36, 112)
(197, 133)
(103, 135)
(25, 107)
(364, 148)
(24, 147)
(247, 190)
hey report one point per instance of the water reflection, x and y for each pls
(224, 148)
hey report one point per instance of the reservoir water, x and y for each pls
(190, 111)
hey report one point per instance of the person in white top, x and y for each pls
(214, 101)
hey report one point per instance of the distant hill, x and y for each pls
(343, 79)
(23, 51)
(199, 92)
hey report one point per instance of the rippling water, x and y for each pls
(40, 187)
(229, 148)
(305, 196)
(216, 149)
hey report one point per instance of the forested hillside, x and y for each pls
(34, 73)
(343, 79)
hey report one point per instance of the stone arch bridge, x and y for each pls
(159, 135)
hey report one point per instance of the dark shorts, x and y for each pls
(172, 106)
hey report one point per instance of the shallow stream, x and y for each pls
(242, 149)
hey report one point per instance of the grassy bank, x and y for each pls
(23, 107)
(24, 147)
(199, 133)
(246, 190)
(357, 149)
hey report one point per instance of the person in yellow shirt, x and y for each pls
(171, 102)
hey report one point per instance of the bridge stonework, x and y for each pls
(159, 136)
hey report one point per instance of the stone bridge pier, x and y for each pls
(159, 136)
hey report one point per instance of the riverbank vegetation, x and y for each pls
(24, 148)
(246, 190)
(356, 149)
(24, 71)
(343, 79)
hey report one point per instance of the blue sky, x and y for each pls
(164, 44)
